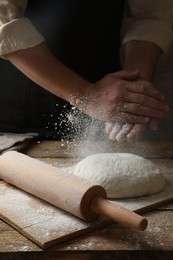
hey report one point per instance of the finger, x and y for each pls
(127, 75)
(146, 89)
(109, 127)
(146, 100)
(154, 124)
(122, 135)
(136, 132)
(141, 110)
(115, 130)
(129, 118)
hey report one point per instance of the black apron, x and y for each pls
(85, 36)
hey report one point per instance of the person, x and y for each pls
(57, 55)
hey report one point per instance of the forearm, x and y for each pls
(42, 67)
(142, 56)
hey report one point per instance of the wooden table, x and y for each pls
(112, 242)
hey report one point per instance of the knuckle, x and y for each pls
(141, 88)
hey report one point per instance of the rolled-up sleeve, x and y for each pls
(150, 21)
(16, 31)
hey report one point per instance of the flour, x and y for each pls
(123, 175)
(39, 220)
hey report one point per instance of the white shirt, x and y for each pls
(147, 20)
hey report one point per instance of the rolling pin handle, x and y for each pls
(119, 214)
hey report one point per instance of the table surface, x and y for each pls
(158, 235)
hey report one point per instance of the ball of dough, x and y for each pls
(123, 175)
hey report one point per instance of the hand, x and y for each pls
(124, 132)
(118, 98)
(128, 132)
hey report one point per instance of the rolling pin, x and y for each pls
(64, 190)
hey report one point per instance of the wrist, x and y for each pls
(83, 98)
(143, 56)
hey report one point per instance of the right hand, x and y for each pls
(118, 98)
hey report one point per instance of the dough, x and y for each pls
(123, 175)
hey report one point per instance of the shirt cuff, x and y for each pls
(18, 34)
(152, 31)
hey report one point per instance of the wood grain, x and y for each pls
(112, 237)
(47, 225)
(56, 149)
(158, 236)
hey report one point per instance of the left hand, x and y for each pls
(127, 132)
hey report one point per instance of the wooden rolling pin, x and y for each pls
(64, 190)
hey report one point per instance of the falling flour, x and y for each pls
(123, 175)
